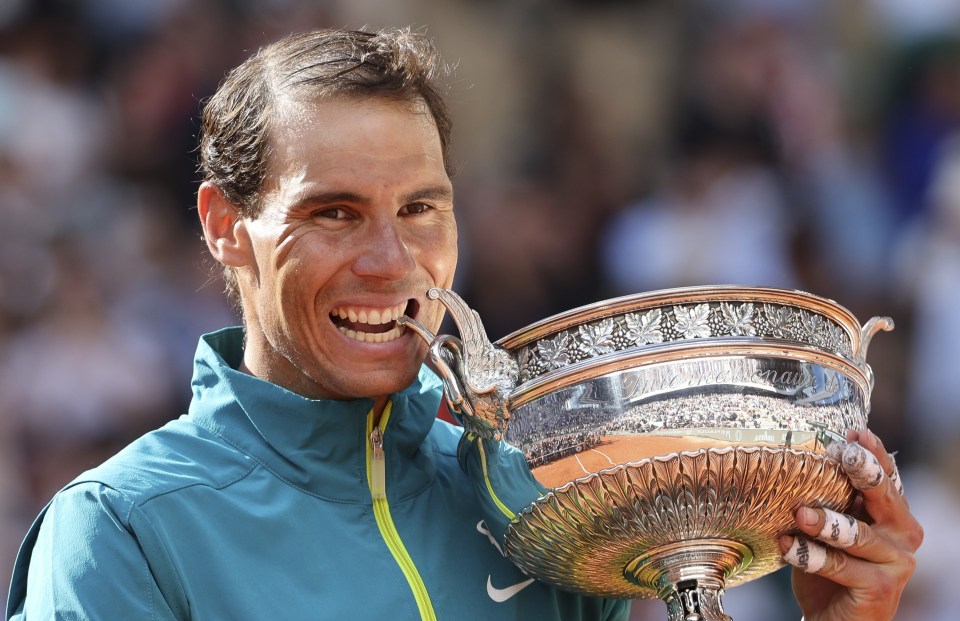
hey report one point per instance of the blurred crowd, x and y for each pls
(603, 147)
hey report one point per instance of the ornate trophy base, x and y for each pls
(679, 527)
(689, 576)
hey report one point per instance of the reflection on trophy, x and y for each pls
(677, 432)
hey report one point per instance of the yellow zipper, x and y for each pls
(376, 479)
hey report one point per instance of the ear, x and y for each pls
(223, 228)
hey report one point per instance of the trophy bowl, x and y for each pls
(676, 432)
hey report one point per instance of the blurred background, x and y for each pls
(603, 147)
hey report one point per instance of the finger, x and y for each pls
(861, 466)
(844, 532)
(836, 529)
(881, 500)
(887, 461)
(894, 475)
(814, 558)
(805, 555)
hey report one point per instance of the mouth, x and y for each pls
(369, 324)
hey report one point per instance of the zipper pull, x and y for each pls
(378, 482)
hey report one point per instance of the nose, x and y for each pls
(384, 253)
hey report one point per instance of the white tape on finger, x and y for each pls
(835, 450)
(806, 555)
(895, 475)
(839, 530)
(861, 466)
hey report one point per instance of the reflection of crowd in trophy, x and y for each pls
(551, 434)
(552, 449)
(726, 411)
(562, 417)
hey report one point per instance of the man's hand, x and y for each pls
(865, 559)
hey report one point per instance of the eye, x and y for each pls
(331, 213)
(414, 208)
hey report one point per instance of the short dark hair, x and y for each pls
(395, 64)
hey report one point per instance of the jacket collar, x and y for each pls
(316, 445)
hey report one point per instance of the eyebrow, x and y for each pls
(435, 193)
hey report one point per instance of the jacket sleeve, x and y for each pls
(82, 560)
(505, 487)
(501, 478)
(617, 609)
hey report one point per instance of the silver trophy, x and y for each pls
(677, 432)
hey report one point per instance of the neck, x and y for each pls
(379, 402)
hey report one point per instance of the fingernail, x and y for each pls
(867, 439)
(785, 542)
(808, 517)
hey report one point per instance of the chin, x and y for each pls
(378, 385)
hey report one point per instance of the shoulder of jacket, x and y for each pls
(179, 455)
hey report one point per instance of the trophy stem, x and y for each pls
(692, 600)
(689, 576)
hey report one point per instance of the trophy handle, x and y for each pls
(867, 332)
(477, 375)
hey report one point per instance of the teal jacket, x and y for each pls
(261, 504)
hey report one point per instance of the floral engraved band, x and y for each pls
(676, 432)
(677, 323)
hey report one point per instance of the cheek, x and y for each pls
(441, 255)
(293, 289)
(302, 263)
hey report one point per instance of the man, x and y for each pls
(310, 478)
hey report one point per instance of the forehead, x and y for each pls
(309, 129)
(361, 146)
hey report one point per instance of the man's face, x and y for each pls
(357, 224)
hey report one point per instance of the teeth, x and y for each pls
(373, 337)
(372, 316)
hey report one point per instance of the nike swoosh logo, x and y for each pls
(502, 595)
(483, 530)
